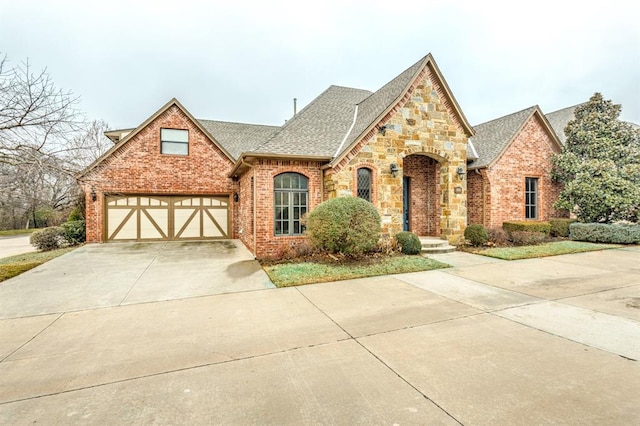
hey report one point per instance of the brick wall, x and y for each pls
(264, 171)
(529, 155)
(424, 194)
(137, 167)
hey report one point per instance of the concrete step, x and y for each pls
(432, 245)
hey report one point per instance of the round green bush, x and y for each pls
(347, 225)
(477, 235)
(409, 242)
(48, 238)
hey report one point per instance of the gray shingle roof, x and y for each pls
(492, 137)
(237, 138)
(319, 128)
(374, 105)
(559, 120)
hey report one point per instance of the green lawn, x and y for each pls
(543, 250)
(15, 265)
(16, 232)
(291, 274)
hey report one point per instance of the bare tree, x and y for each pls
(37, 120)
(44, 142)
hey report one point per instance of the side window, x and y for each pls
(364, 184)
(174, 141)
(531, 198)
(291, 194)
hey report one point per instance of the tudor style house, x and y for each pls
(404, 148)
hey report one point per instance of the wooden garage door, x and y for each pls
(166, 217)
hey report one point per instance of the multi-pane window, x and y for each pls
(531, 198)
(174, 141)
(364, 184)
(291, 193)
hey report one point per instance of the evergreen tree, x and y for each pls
(600, 164)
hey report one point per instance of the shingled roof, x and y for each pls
(238, 137)
(319, 128)
(559, 120)
(493, 137)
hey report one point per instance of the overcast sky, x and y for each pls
(246, 60)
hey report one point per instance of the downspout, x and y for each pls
(484, 200)
(253, 200)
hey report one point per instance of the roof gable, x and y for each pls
(379, 106)
(134, 132)
(494, 137)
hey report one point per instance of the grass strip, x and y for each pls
(16, 265)
(17, 232)
(292, 274)
(544, 250)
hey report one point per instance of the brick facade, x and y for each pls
(497, 193)
(424, 194)
(423, 123)
(138, 167)
(263, 171)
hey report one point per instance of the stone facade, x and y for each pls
(497, 193)
(138, 167)
(423, 123)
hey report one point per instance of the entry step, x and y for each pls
(432, 245)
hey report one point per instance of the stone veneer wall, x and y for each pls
(138, 167)
(423, 123)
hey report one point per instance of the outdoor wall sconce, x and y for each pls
(94, 196)
(236, 197)
(382, 129)
(394, 169)
(460, 171)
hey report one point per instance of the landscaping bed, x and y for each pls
(326, 267)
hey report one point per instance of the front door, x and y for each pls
(406, 203)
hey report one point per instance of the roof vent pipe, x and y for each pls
(295, 108)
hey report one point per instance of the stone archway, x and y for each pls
(422, 195)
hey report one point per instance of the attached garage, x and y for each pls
(150, 217)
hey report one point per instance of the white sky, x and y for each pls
(246, 60)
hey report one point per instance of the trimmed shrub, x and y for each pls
(347, 225)
(527, 238)
(48, 238)
(498, 236)
(510, 227)
(409, 242)
(476, 235)
(605, 233)
(560, 226)
(74, 232)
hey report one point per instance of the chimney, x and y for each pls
(295, 107)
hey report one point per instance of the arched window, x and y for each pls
(364, 184)
(291, 194)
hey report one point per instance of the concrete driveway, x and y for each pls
(541, 341)
(102, 275)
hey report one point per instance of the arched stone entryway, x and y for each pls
(422, 195)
